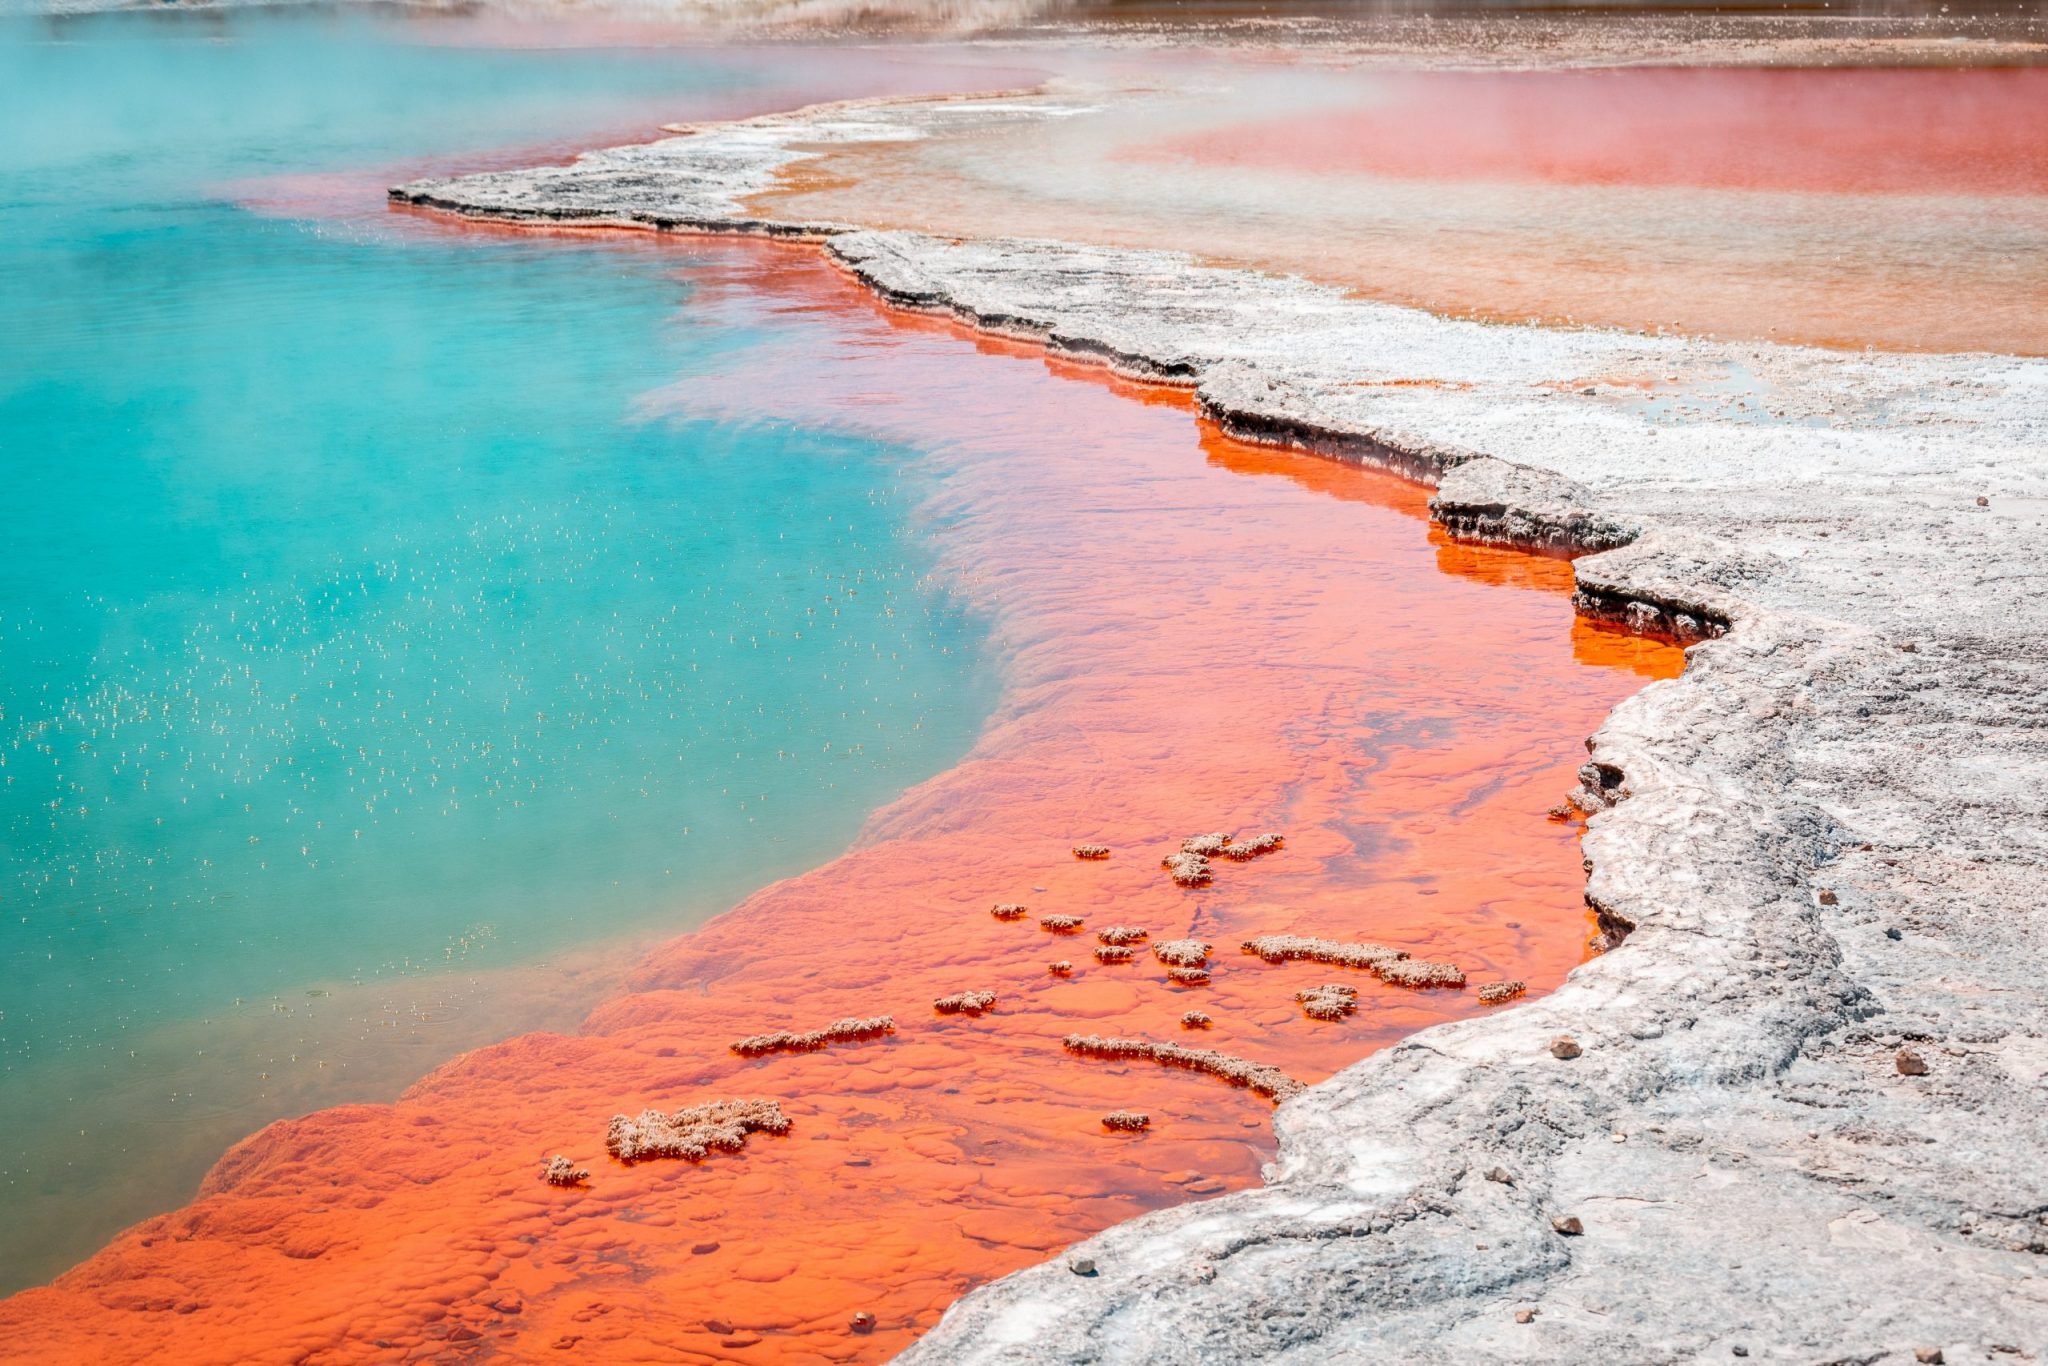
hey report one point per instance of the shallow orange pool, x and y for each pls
(1195, 635)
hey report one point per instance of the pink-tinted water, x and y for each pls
(1899, 208)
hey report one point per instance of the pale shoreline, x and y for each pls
(1880, 623)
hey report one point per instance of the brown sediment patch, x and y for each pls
(694, 1132)
(1183, 953)
(850, 1030)
(1411, 707)
(1332, 1001)
(1270, 1082)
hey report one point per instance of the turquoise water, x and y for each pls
(355, 627)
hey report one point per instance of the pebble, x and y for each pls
(1910, 1064)
(1568, 1225)
(1928, 1356)
(1082, 1266)
(1565, 1046)
(863, 1322)
(1525, 1316)
(1501, 1175)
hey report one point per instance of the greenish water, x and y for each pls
(353, 623)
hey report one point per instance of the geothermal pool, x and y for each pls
(375, 669)
(416, 631)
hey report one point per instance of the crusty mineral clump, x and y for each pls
(1188, 869)
(1267, 1081)
(1332, 1001)
(1091, 851)
(1195, 1019)
(1114, 953)
(1244, 850)
(1205, 845)
(693, 1133)
(1122, 934)
(1008, 910)
(1493, 993)
(839, 1031)
(1280, 948)
(560, 1171)
(1188, 977)
(1060, 924)
(965, 1003)
(1060, 969)
(1129, 1121)
(1183, 953)
(1413, 972)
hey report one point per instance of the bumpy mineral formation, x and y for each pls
(839, 1031)
(560, 1171)
(1195, 1019)
(1122, 934)
(1413, 972)
(1183, 953)
(1280, 948)
(1332, 1001)
(1188, 869)
(1205, 845)
(1244, 850)
(1129, 1121)
(1114, 953)
(694, 1132)
(1060, 969)
(1267, 1081)
(1493, 993)
(1060, 924)
(1091, 851)
(965, 1003)
(1008, 910)
(1188, 977)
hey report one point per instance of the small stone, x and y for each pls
(1910, 1064)
(1893, 933)
(1930, 1356)
(1525, 1316)
(718, 1326)
(1909, 647)
(1982, 501)
(705, 1250)
(1568, 1225)
(1081, 1266)
(1738, 1350)
(1828, 897)
(1620, 1138)
(863, 1322)
(1565, 1046)
(1502, 1175)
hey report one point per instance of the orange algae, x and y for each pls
(1405, 709)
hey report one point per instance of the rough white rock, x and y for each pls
(1780, 1186)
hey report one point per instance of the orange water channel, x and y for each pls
(1195, 635)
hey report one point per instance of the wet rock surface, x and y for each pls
(1780, 1164)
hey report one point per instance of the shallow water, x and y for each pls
(1902, 209)
(365, 642)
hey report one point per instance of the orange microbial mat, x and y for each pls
(1193, 636)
